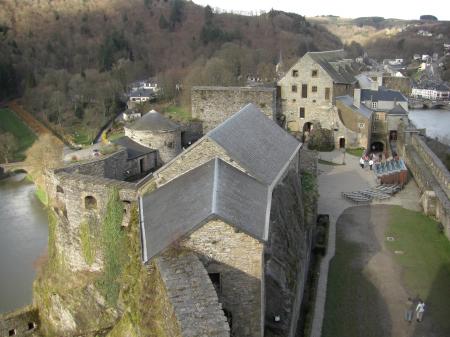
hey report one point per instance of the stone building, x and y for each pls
(213, 105)
(220, 228)
(310, 86)
(155, 131)
(241, 213)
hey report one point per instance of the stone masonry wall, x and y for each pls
(198, 154)
(67, 194)
(167, 143)
(23, 322)
(287, 257)
(317, 108)
(237, 257)
(349, 127)
(213, 105)
(192, 297)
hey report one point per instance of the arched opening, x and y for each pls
(377, 147)
(342, 143)
(12, 332)
(31, 325)
(393, 135)
(90, 202)
(307, 127)
(59, 189)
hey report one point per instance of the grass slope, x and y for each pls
(425, 262)
(9, 122)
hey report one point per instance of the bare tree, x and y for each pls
(8, 144)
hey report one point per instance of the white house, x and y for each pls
(431, 91)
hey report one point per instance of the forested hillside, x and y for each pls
(72, 59)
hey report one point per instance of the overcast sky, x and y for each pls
(409, 9)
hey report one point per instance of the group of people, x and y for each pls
(418, 309)
(370, 160)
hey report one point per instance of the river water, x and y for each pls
(23, 238)
(437, 123)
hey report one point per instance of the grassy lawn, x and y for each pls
(425, 262)
(82, 135)
(112, 136)
(351, 297)
(178, 113)
(9, 122)
(355, 152)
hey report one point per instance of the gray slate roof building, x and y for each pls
(215, 190)
(348, 101)
(382, 94)
(134, 150)
(141, 92)
(257, 143)
(341, 70)
(154, 121)
(398, 110)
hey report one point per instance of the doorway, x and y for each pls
(342, 143)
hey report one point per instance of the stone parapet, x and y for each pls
(192, 296)
(18, 323)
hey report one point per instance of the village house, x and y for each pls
(432, 91)
(310, 86)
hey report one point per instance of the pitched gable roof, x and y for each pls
(215, 190)
(257, 143)
(382, 94)
(333, 62)
(398, 110)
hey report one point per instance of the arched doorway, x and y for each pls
(377, 147)
(307, 127)
(342, 143)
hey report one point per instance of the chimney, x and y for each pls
(357, 98)
(374, 85)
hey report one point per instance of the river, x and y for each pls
(437, 123)
(23, 238)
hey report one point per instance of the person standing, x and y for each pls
(370, 163)
(409, 312)
(420, 309)
(361, 162)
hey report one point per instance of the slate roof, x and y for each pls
(382, 94)
(215, 190)
(141, 92)
(333, 62)
(398, 110)
(153, 121)
(134, 149)
(257, 143)
(348, 101)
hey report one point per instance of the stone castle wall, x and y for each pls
(430, 175)
(167, 143)
(19, 323)
(190, 298)
(237, 258)
(213, 105)
(350, 129)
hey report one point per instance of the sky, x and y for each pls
(409, 9)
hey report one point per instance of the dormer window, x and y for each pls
(374, 105)
(294, 73)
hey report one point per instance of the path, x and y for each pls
(332, 181)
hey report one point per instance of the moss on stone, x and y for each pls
(87, 245)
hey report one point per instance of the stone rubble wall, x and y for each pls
(214, 105)
(430, 175)
(192, 297)
(237, 257)
(22, 322)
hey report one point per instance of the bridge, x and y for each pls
(13, 167)
(419, 103)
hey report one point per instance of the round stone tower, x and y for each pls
(155, 131)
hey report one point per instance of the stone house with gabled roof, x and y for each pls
(234, 199)
(309, 88)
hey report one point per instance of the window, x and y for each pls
(302, 112)
(294, 100)
(314, 88)
(374, 105)
(170, 145)
(304, 91)
(31, 325)
(314, 73)
(90, 202)
(294, 88)
(294, 73)
(59, 189)
(361, 125)
(12, 332)
(215, 279)
(327, 93)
